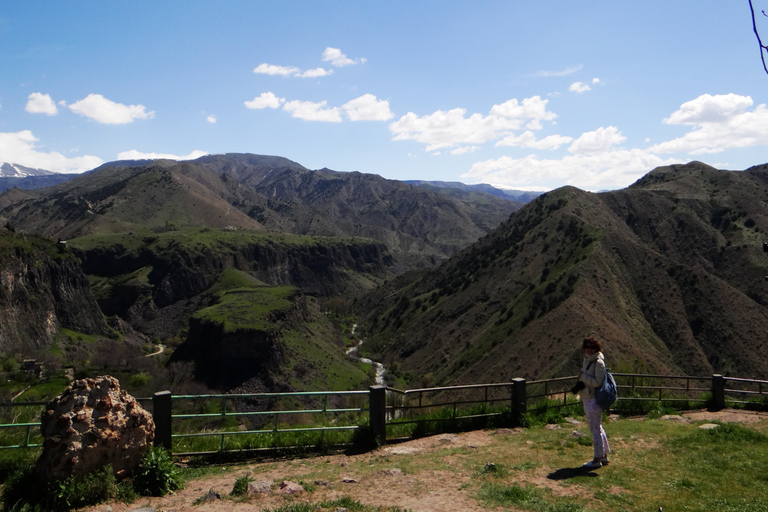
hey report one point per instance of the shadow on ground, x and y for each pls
(566, 473)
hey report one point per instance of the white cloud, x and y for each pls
(271, 69)
(368, 108)
(39, 103)
(598, 141)
(595, 81)
(138, 155)
(211, 119)
(102, 110)
(528, 140)
(718, 122)
(451, 128)
(338, 59)
(20, 148)
(310, 111)
(579, 87)
(564, 72)
(315, 73)
(609, 170)
(464, 149)
(265, 100)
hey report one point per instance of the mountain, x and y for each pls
(420, 227)
(669, 272)
(451, 187)
(19, 171)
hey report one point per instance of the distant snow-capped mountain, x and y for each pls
(19, 171)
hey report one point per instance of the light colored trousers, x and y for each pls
(594, 418)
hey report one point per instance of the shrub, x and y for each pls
(241, 485)
(157, 475)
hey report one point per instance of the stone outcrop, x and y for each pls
(93, 424)
(41, 292)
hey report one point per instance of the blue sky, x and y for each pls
(526, 95)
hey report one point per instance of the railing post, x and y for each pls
(519, 401)
(161, 414)
(718, 392)
(377, 410)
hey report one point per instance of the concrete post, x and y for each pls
(377, 410)
(161, 407)
(718, 392)
(519, 401)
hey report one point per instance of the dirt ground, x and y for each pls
(360, 477)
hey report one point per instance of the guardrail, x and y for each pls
(388, 409)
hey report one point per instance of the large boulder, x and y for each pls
(91, 425)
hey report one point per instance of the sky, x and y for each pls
(518, 94)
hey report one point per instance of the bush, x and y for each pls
(157, 475)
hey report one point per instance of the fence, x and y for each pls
(389, 410)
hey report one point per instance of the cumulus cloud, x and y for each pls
(138, 155)
(102, 110)
(609, 170)
(310, 111)
(271, 69)
(315, 73)
(265, 100)
(528, 140)
(446, 129)
(368, 108)
(212, 118)
(39, 103)
(20, 148)
(579, 87)
(598, 141)
(718, 122)
(338, 59)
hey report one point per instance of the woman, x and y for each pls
(593, 375)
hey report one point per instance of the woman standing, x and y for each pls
(593, 375)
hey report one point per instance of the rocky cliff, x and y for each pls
(41, 291)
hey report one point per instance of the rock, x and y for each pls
(90, 425)
(709, 426)
(552, 426)
(675, 417)
(290, 488)
(573, 421)
(321, 483)
(348, 480)
(261, 487)
(576, 434)
(392, 472)
(211, 496)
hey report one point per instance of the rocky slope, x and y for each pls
(41, 291)
(668, 271)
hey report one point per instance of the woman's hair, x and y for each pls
(591, 341)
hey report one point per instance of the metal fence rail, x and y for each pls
(389, 407)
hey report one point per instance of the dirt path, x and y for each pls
(433, 480)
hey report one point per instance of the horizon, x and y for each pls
(518, 96)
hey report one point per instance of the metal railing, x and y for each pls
(268, 413)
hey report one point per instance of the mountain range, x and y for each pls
(450, 284)
(669, 272)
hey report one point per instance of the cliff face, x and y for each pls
(40, 292)
(181, 265)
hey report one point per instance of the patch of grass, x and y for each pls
(241, 485)
(526, 498)
(157, 475)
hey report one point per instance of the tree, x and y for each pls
(763, 47)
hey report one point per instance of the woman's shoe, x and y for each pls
(604, 461)
(593, 464)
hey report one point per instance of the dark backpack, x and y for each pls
(606, 394)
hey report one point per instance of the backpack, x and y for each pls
(607, 392)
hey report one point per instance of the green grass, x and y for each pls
(247, 308)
